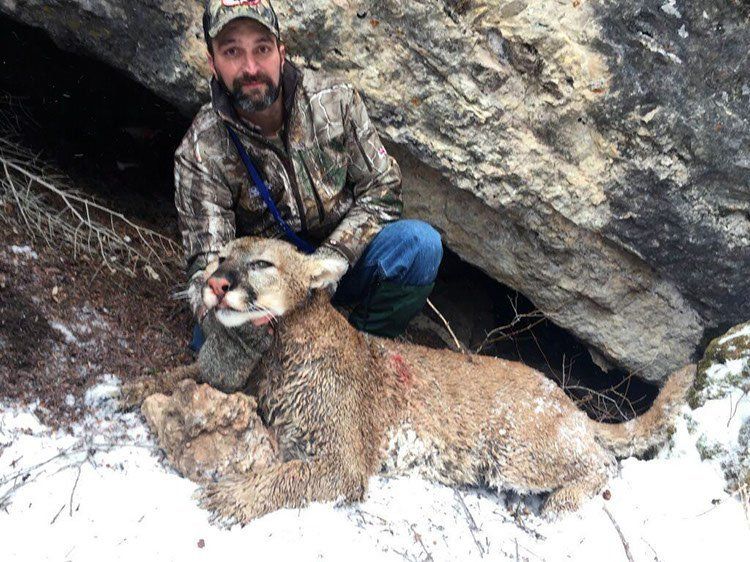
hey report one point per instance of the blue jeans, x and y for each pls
(405, 255)
(406, 252)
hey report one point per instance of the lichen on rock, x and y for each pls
(725, 366)
(720, 402)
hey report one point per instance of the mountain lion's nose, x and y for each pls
(220, 284)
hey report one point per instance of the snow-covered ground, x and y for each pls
(104, 493)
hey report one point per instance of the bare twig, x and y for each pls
(656, 554)
(459, 347)
(418, 538)
(65, 218)
(77, 454)
(59, 511)
(75, 485)
(473, 529)
(29, 470)
(736, 405)
(741, 492)
(501, 332)
(518, 518)
(624, 541)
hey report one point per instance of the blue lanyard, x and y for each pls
(301, 244)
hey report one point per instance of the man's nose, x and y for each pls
(250, 65)
(221, 284)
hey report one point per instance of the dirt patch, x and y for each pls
(24, 333)
(65, 322)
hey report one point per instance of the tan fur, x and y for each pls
(343, 405)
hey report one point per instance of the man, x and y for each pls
(322, 161)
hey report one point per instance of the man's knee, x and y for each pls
(420, 251)
(429, 247)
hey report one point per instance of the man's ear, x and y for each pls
(282, 53)
(326, 271)
(211, 64)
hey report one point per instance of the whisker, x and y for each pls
(267, 311)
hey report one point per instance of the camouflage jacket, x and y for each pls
(332, 181)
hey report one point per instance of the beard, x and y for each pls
(257, 100)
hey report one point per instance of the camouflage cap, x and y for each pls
(220, 12)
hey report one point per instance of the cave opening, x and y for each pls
(113, 136)
(116, 140)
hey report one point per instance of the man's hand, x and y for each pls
(195, 290)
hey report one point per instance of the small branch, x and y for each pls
(63, 217)
(57, 514)
(500, 333)
(473, 529)
(625, 544)
(736, 405)
(418, 538)
(75, 485)
(459, 347)
(656, 554)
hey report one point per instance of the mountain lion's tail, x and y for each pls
(636, 436)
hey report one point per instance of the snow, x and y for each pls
(105, 492)
(26, 251)
(670, 7)
(65, 331)
(102, 398)
(738, 334)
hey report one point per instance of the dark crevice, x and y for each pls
(540, 343)
(114, 137)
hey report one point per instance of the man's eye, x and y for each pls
(260, 264)
(230, 52)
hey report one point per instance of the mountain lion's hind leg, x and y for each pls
(291, 484)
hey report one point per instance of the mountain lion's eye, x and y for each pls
(260, 264)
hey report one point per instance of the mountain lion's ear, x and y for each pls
(326, 269)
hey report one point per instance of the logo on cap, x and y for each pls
(235, 3)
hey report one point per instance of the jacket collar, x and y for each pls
(222, 103)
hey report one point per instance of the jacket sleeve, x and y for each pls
(375, 180)
(204, 204)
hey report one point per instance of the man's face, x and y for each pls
(248, 61)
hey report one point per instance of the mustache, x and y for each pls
(250, 78)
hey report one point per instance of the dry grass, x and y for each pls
(42, 202)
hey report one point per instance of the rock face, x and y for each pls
(207, 434)
(594, 155)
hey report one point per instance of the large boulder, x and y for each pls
(593, 155)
